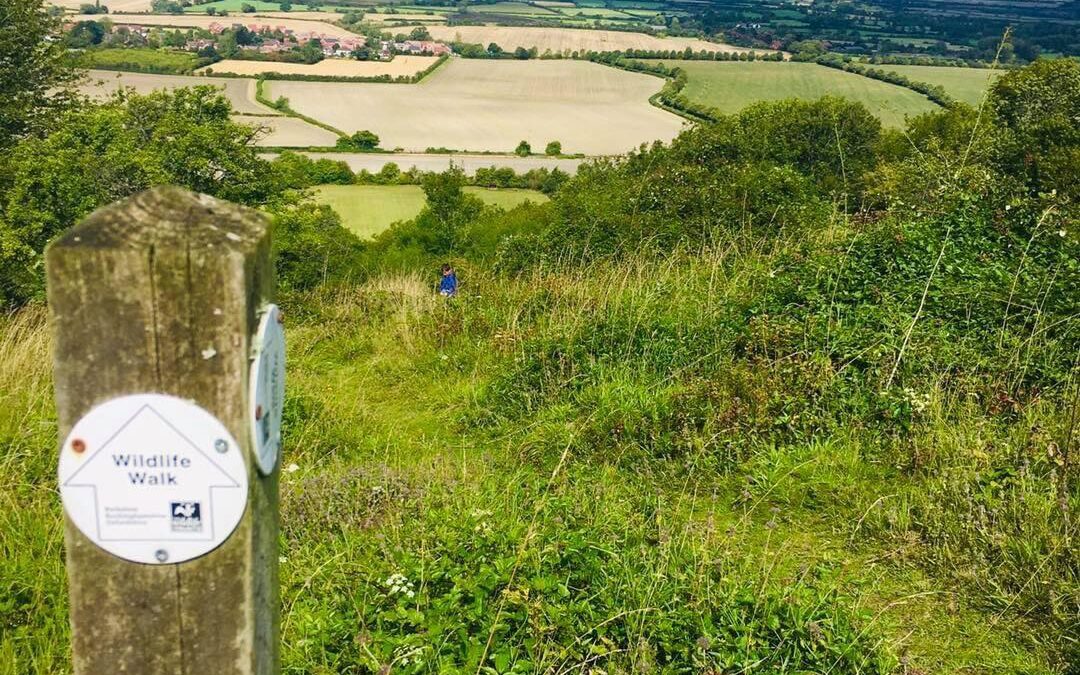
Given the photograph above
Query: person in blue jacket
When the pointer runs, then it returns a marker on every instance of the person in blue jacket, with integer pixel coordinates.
(448, 283)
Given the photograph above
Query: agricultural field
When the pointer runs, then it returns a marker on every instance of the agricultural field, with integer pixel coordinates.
(289, 132)
(140, 59)
(263, 6)
(965, 84)
(401, 66)
(369, 209)
(731, 86)
(240, 92)
(372, 17)
(469, 163)
(570, 39)
(482, 105)
(199, 21)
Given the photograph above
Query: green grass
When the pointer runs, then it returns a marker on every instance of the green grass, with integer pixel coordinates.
(140, 59)
(964, 84)
(731, 86)
(369, 209)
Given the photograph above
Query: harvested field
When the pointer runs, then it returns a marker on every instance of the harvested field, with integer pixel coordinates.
(289, 132)
(372, 161)
(965, 84)
(197, 21)
(241, 93)
(480, 105)
(570, 39)
(369, 209)
(731, 86)
(401, 66)
(387, 18)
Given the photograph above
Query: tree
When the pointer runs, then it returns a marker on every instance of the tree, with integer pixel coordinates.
(98, 153)
(494, 49)
(553, 148)
(35, 78)
(247, 8)
(521, 53)
(285, 6)
(166, 7)
(420, 33)
(1038, 107)
(361, 140)
(523, 149)
(85, 34)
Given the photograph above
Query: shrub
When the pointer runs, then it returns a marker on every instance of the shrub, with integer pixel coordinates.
(553, 148)
(523, 149)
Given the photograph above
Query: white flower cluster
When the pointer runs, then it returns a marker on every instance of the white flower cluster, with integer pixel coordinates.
(400, 584)
(919, 402)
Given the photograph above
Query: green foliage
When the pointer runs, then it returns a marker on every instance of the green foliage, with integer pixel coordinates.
(554, 148)
(1039, 106)
(35, 78)
(142, 60)
(295, 170)
(312, 248)
(523, 149)
(361, 141)
(100, 153)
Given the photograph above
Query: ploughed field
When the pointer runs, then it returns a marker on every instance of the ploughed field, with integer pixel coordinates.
(571, 39)
(400, 66)
(369, 209)
(965, 84)
(482, 105)
(731, 86)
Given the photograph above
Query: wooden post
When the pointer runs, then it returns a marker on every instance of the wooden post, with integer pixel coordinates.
(159, 293)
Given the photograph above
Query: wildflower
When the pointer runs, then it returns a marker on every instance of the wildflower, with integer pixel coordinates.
(1061, 233)
(399, 584)
(292, 468)
(282, 559)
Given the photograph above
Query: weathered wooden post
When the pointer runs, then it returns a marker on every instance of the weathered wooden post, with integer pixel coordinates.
(171, 526)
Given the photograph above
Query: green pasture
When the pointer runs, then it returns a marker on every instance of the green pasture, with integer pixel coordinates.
(731, 86)
(965, 84)
(139, 59)
(369, 209)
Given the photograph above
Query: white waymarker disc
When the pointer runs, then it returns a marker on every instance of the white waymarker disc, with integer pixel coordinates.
(267, 389)
(153, 479)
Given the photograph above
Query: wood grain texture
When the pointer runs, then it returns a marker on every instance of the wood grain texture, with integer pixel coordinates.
(140, 293)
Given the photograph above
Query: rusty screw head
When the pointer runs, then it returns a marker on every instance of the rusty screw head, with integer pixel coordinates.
(258, 412)
(78, 445)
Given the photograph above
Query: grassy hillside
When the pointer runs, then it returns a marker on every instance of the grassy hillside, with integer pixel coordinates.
(965, 84)
(369, 209)
(794, 393)
(732, 86)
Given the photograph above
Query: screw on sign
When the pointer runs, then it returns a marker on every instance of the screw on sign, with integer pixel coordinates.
(267, 388)
(153, 479)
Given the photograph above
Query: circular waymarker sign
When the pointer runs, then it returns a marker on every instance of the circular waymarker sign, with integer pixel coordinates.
(267, 389)
(153, 479)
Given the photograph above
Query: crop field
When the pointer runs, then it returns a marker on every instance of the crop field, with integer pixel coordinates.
(241, 93)
(417, 18)
(374, 161)
(481, 105)
(400, 66)
(369, 209)
(139, 58)
(199, 21)
(965, 84)
(289, 132)
(570, 39)
(731, 86)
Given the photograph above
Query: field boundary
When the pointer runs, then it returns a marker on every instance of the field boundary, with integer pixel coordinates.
(286, 109)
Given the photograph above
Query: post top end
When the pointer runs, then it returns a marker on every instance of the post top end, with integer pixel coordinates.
(168, 216)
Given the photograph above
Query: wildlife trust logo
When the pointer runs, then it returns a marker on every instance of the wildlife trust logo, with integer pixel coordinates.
(186, 516)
